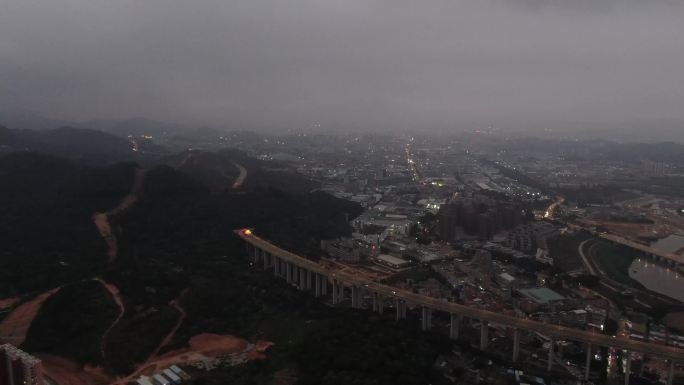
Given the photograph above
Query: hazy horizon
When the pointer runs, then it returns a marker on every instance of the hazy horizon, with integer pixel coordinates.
(377, 65)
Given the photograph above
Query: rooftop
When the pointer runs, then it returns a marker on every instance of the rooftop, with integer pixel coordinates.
(392, 259)
(542, 295)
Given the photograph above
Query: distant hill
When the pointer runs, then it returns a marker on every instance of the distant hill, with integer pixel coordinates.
(134, 126)
(30, 121)
(118, 127)
(219, 170)
(662, 152)
(650, 131)
(80, 144)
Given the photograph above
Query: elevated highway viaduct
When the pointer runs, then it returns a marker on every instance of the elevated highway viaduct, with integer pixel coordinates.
(310, 275)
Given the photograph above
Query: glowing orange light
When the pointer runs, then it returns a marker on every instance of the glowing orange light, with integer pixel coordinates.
(247, 232)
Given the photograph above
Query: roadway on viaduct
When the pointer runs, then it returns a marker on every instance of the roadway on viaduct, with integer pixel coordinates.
(555, 331)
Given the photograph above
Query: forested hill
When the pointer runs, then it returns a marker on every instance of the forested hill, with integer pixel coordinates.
(176, 246)
(80, 144)
(47, 206)
(176, 236)
(46, 219)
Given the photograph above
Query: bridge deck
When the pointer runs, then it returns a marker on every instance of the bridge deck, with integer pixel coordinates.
(556, 331)
(643, 248)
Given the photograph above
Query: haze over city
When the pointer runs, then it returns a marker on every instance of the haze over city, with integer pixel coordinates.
(569, 66)
(365, 192)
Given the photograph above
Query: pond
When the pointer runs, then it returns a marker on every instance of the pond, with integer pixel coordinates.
(657, 278)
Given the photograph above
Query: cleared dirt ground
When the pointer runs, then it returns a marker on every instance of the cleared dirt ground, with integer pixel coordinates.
(14, 327)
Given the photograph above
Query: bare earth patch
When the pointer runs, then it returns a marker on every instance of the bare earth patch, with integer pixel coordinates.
(203, 347)
(67, 372)
(13, 329)
(182, 314)
(8, 302)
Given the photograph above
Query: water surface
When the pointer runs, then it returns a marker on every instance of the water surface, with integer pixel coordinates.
(658, 278)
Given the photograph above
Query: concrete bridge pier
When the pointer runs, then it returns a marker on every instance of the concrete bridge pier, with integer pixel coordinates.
(255, 257)
(516, 344)
(355, 296)
(670, 372)
(549, 364)
(317, 285)
(308, 280)
(378, 303)
(628, 366)
(642, 367)
(484, 334)
(400, 306)
(335, 288)
(324, 285)
(288, 272)
(359, 297)
(302, 278)
(587, 364)
(454, 326)
(340, 292)
(427, 319)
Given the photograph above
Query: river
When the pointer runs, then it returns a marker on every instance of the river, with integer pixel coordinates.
(672, 243)
(658, 278)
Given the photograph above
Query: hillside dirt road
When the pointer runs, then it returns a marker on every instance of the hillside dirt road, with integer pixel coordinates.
(116, 296)
(101, 220)
(241, 178)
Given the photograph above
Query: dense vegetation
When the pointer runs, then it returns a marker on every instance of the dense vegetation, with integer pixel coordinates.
(565, 250)
(136, 337)
(315, 343)
(218, 170)
(178, 239)
(615, 262)
(46, 219)
(180, 219)
(72, 321)
(178, 236)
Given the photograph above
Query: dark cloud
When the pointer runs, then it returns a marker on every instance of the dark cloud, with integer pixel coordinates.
(354, 63)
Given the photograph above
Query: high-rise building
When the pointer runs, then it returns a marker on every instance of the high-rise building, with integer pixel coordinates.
(448, 219)
(19, 368)
(531, 236)
(481, 217)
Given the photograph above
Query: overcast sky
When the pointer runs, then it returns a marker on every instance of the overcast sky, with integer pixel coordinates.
(345, 63)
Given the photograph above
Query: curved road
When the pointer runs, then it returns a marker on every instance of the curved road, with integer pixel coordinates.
(557, 331)
(643, 296)
(587, 264)
(241, 178)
